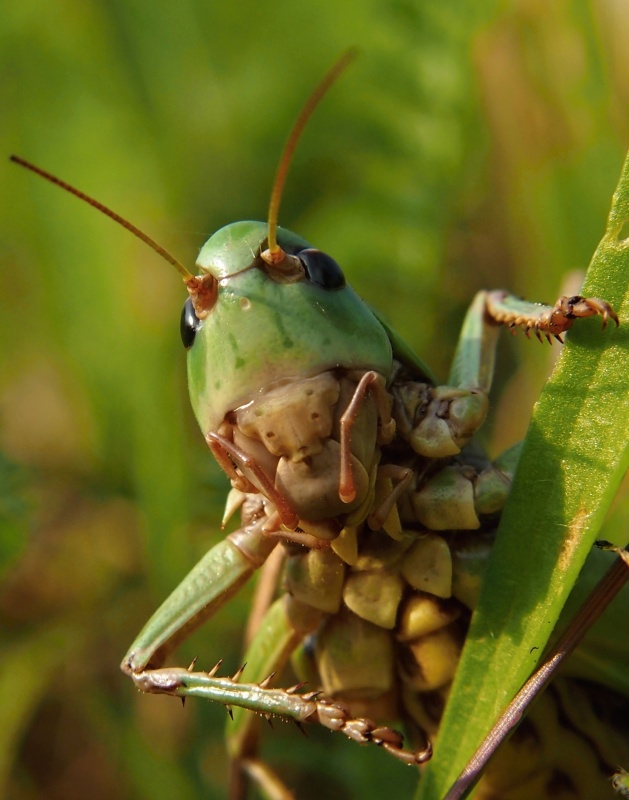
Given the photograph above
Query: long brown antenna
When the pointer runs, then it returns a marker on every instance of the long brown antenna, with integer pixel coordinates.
(275, 252)
(187, 276)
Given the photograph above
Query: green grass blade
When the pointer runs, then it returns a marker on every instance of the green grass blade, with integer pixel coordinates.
(575, 455)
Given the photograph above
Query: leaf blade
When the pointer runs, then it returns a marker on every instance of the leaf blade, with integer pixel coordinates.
(574, 457)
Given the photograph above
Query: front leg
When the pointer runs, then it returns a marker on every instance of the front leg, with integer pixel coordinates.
(438, 421)
(473, 363)
(219, 575)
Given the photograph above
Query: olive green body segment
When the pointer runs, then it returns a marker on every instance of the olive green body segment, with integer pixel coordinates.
(261, 331)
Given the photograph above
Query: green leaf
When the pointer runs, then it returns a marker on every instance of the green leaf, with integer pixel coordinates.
(575, 454)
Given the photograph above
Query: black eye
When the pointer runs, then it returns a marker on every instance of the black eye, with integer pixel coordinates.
(322, 269)
(189, 324)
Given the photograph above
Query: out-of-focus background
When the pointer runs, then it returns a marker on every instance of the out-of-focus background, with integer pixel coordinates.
(471, 145)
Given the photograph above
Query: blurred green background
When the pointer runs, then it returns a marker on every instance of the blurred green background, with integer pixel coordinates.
(471, 145)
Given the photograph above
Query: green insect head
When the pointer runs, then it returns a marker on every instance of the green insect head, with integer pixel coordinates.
(249, 323)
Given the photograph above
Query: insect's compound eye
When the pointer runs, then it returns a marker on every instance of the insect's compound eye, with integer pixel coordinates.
(189, 324)
(322, 269)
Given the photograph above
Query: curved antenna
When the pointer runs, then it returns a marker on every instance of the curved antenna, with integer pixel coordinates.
(187, 276)
(275, 252)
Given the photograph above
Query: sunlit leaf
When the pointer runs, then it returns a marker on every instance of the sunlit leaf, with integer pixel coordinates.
(575, 455)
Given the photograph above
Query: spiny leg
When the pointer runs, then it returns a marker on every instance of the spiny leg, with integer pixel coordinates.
(545, 320)
(285, 625)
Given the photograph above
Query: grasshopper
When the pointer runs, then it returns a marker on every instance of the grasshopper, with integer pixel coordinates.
(359, 475)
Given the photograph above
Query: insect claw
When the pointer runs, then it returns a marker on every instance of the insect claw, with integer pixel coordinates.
(264, 684)
(421, 756)
(235, 677)
(215, 668)
(425, 754)
(558, 337)
(603, 544)
(301, 728)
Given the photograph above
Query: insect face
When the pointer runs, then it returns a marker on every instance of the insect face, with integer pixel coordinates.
(264, 328)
